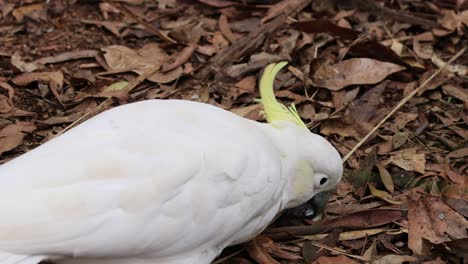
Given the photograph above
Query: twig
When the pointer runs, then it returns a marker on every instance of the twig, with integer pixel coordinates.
(147, 25)
(245, 44)
(401, 103)
(337, 250)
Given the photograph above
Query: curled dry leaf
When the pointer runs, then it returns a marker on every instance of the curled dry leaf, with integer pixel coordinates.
(55, 80)
(410, 159)
(257, 250)
(123, 59)
(10, 90)
(21, 65)
(382, 194)
(386, 177)
(12, 135)
(354, 71)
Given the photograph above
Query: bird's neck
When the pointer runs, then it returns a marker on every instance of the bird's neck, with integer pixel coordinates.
(298, 175)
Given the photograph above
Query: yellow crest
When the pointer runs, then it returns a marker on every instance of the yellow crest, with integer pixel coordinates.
(275, 111)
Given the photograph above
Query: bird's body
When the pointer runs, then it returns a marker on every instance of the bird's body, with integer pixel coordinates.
(168, 182)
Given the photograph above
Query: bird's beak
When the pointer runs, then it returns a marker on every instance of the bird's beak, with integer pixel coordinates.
(312, 209)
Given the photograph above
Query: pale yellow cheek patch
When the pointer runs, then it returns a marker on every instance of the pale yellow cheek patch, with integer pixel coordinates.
(303, 180)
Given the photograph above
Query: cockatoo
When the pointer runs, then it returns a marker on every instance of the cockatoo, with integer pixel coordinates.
(160, 182)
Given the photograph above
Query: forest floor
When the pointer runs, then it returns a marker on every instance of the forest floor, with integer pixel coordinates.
(389, 77)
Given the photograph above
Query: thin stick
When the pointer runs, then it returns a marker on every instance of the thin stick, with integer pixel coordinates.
(401, 103)
(336, 250)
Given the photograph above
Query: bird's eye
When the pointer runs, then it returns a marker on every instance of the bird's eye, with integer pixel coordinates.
(323, 180)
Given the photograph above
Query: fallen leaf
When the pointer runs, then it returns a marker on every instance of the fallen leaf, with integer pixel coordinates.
(399, 139)
(123, 59)
(219, 3)
(252, 112)
(394, 259)
(282, 7)
(431, 219)
(354, 71)
(55, 80)
(21, 65)
(22, 11)
(10, 90)
(351, 235)
(435, 261)
(456, 196)
(325, 26)
(410, 159)
(334, 260)
(116, 86)
(364, 219)
(385, 177)
(456, 91)
(179, 58)
(225, 29)
(258, 252)
(382, 194)
(66, 56)
(5, 104)
(375, 50)
(401, 120)
(12, 135)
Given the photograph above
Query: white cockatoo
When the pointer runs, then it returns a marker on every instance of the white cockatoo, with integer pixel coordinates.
(160, 182)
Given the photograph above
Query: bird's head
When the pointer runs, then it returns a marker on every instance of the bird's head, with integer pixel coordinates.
(314, 164)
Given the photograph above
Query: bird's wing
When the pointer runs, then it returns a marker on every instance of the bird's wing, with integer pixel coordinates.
(151, 176)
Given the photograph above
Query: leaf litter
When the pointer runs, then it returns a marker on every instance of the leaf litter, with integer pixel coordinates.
(351, 63)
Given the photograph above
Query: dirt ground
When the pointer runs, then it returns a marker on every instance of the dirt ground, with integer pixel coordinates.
(384, 81)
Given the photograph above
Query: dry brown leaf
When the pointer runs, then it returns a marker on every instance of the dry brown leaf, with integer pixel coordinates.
(401, 120)
(382, 194)
(394, 259)
(354, 71)
(282, 7)
(454, 21)
(225, 29)
(456, 196)
(180, 58)
(435, 261)
(257, 250)
(219, 3)
(55, 80)
(456, 91)
(386, 177)
(123, 59)
(5, 104)
(334, 260)
(10, 90)
(431, 219)
(410, 159)
(246, 85)
(12, 135)
(17, 61)
(252, 112)
(22, 11)
(459, 153)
